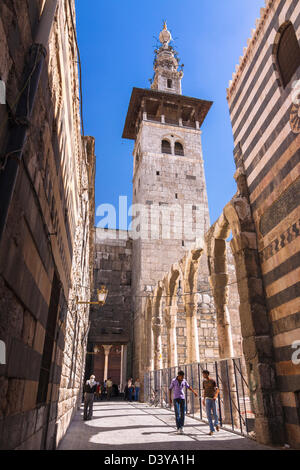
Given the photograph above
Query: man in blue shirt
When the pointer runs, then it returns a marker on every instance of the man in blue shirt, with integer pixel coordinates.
(177, 385)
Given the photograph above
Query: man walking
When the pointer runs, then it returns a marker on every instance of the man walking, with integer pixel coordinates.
(177, 385)
(211, 393)
(137, 386)
(89, 392)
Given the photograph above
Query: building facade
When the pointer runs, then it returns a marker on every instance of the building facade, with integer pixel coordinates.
(170, 219)
(263, 99)
(46, 250)
(110, 335)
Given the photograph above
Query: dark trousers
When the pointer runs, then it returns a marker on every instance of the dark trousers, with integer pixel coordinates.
(88, 405)
(179, 406)
(130, 392)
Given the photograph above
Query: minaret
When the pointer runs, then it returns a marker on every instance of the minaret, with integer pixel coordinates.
(168, 179)
(167, 76)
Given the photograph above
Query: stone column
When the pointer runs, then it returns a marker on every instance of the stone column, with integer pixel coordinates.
(219, 284)
(124, 371)
(171, 316)
(192, 330)
(121, 368)
(107, 349)
(151, 351)
(149, 345)
(157, 344)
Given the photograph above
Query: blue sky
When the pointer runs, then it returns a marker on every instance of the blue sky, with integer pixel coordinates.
(116, 40)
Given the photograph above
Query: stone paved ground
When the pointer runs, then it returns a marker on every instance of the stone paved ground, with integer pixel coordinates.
(122, 426)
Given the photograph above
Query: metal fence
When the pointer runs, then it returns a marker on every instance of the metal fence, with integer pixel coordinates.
(233, 403)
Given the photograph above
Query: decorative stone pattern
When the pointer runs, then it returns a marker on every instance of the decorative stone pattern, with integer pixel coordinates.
(46, 249)
(267, 148)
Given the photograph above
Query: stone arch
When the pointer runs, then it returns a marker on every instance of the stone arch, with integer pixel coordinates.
(255, 325)
(191, 266)
(171, 283)
(218, 278)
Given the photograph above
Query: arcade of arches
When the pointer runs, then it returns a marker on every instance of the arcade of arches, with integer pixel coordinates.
(168, 308)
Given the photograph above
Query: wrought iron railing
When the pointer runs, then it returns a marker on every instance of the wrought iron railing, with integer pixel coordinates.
(233, 403)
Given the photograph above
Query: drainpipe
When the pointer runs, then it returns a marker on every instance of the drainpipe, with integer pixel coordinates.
(13, 152)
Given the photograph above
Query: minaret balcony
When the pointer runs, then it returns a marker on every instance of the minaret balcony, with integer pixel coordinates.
(167, 109)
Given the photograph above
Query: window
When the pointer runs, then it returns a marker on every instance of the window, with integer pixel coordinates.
(288, 54)
(169, 83)
(157, 173)
(179, 149)
(49, 342)
(166, 147)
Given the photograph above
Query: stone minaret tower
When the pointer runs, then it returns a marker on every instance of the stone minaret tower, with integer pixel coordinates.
(168, 179)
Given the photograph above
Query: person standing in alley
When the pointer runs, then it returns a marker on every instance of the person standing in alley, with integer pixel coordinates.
(109, 388)
(130, 388)
(211, 393)
(177, 385)
(137, 386)
(90, 389)
(126, 391)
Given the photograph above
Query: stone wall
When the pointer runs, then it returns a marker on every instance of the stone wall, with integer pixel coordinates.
(265, 122)
(112, 323)
(164, 183)
(45, 250)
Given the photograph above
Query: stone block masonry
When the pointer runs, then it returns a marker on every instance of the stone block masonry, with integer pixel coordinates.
(265, 122)
(111, 325)
(47, 247)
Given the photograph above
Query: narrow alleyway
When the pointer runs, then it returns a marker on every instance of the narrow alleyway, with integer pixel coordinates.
(124, 426)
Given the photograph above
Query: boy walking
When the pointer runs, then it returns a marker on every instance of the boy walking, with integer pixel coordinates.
(211, 393)
(109, 388)
(177, 385)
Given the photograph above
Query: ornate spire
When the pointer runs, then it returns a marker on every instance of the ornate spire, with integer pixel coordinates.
(167, 76)
(165, 36)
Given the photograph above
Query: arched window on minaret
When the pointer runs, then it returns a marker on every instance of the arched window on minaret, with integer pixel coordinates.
(179, 149)
(166, 147)
(170, 83)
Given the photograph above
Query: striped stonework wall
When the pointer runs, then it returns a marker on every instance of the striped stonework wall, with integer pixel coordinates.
(267, 145)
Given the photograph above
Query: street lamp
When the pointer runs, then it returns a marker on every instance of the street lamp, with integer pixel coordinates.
(101, 295)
